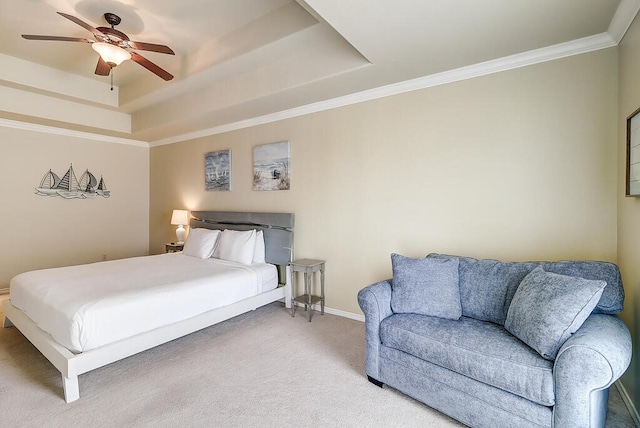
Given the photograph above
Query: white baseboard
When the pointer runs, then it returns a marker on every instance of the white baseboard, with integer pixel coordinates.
(344, 314)
(627, 401)
(338, 312)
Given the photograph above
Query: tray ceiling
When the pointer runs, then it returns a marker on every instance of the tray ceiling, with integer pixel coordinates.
(238, 60)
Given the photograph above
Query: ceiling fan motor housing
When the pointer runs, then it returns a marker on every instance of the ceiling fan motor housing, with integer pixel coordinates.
(112, 19)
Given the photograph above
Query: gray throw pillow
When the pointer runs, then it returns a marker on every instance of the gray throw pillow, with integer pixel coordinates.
(425, 286)
(548, 308)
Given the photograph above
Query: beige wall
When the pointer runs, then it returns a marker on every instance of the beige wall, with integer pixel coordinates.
(629, 208)
(516, 165)
(39, 232)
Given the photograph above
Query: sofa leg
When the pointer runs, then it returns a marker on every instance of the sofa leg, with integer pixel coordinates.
(375, 382)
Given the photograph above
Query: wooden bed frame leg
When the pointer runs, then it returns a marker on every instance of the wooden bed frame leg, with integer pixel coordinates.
(7, 323)
(71, 388)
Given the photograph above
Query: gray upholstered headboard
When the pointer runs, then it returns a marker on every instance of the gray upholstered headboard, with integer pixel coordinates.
(277, 227)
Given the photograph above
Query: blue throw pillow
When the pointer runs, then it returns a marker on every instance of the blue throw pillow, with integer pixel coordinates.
(426, 287)
(548, 308)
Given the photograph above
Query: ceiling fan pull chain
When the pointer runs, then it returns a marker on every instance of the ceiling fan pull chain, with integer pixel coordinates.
(111, 79)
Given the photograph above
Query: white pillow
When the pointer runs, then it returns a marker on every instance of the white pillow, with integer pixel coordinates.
(236, 246)
(201, 243)
(259, 252)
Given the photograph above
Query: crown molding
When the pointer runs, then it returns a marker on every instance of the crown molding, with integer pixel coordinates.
(15, 124)
(562, 50)
(623, 18)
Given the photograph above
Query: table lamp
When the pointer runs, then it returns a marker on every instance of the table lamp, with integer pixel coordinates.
(180, 217)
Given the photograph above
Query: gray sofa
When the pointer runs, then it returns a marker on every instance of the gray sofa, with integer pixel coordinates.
(496, 344)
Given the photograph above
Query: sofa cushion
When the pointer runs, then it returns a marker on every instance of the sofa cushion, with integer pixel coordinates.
(425, 286)
(480, 350)
(487, 286)
(547, 308)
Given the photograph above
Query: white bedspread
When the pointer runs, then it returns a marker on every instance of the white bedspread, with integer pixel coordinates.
(87, 306)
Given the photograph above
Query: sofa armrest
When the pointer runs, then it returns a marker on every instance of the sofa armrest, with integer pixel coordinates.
(588, 363)
(375, 302)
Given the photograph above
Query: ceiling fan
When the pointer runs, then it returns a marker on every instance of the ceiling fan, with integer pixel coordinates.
(113, 46)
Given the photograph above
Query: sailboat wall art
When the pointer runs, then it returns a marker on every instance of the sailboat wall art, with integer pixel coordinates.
(69, 187)
(217, 170)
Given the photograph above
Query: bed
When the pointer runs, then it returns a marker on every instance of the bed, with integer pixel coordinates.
(84, 317)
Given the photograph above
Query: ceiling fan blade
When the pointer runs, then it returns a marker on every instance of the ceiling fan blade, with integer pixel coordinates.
(151, 47)
(56, 38)
(83, 24)
(150, 66)
(102, 69)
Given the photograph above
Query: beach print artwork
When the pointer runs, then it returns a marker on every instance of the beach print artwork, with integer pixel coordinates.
(69, 187)
(217, 170)
(272, 166)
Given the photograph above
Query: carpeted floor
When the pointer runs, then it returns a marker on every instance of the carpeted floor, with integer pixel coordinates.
(263, 368)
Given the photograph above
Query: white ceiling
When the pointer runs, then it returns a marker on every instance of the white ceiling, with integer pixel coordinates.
(238, 61)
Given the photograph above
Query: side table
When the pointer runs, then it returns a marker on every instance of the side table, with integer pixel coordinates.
(308, 267)
(172, 247)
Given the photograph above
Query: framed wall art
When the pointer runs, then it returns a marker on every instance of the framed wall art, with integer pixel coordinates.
(217, 170)
(272, 166)
(633, 154)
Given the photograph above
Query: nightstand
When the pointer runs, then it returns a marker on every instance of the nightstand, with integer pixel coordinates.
(308, 267)
(172, 247)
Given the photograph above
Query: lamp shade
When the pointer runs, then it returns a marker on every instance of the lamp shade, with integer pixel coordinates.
(180, 217)
(111, 54)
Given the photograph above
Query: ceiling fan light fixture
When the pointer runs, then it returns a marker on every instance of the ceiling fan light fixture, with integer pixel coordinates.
(111, 54)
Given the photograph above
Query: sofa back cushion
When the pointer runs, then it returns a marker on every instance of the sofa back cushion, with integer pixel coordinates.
(487, 286)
